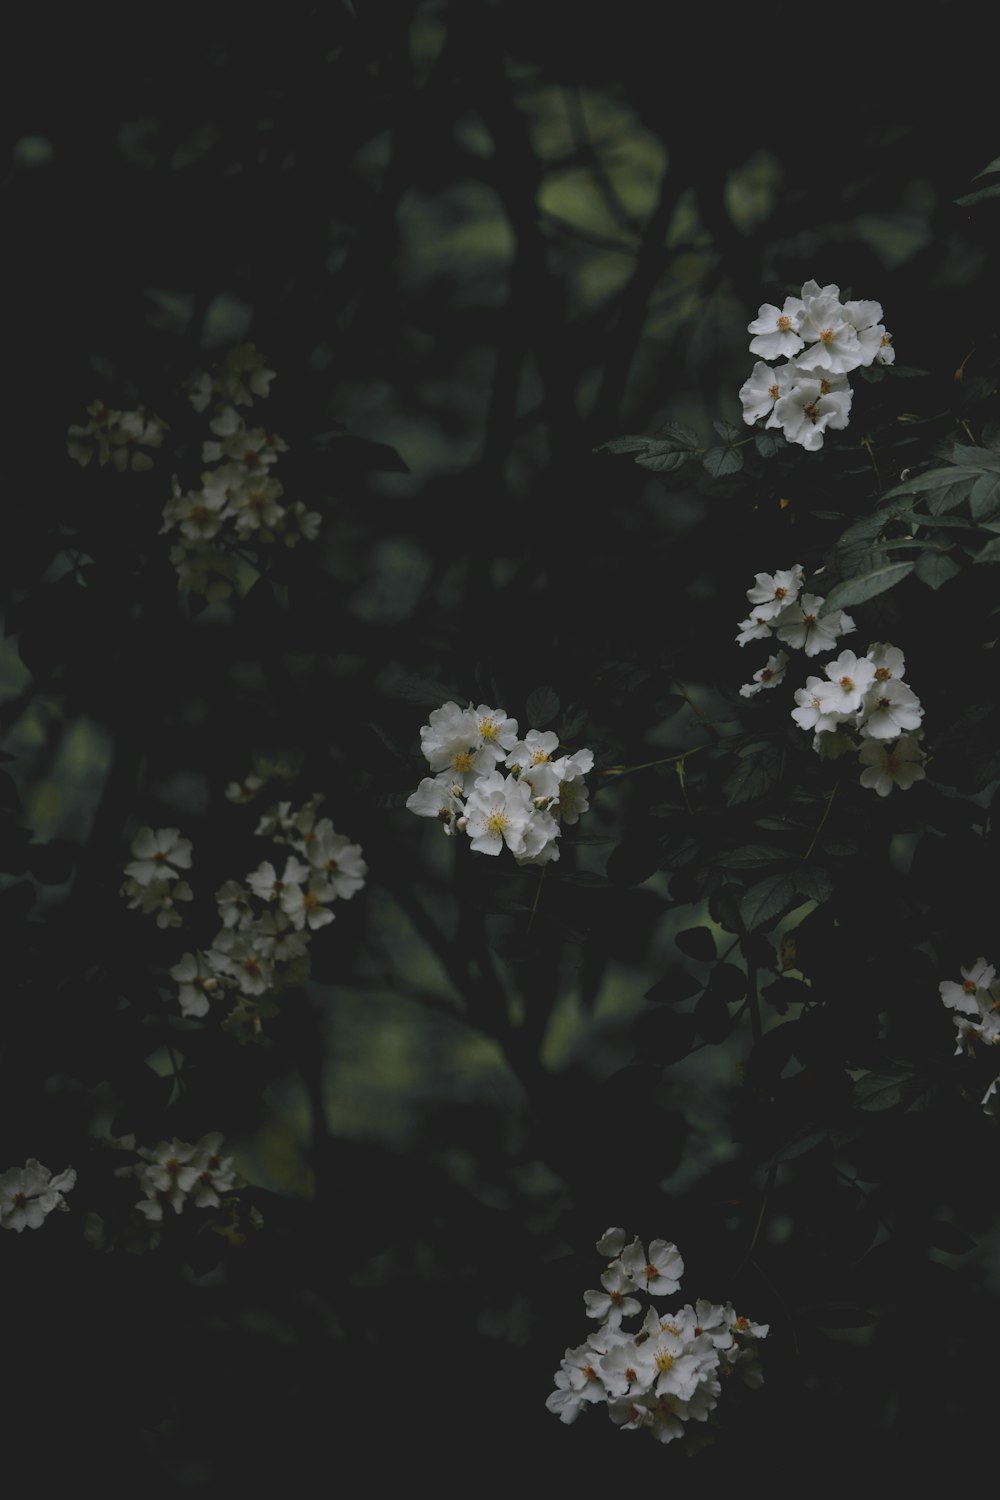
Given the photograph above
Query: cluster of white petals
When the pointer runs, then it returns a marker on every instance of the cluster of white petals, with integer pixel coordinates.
(821, 339)
(175, 1172)
(240, 499)
(117, 438)
(856, 696)
(153, 882)
(976, 1003)
(29, 1193)
(267, 919)
(523, 805)
(667, 1371)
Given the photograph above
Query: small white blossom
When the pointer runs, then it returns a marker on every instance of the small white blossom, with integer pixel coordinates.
(29, 1193)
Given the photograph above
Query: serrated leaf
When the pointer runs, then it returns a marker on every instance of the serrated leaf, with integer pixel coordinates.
(697, 943)
(768, 444)
(726, 431)
(879, 1091)
(857, 590)
(984, 497)
(541, 707)
(757, 769)
(720, 461)
(813, 882)
(661, 453)
(935, 568)
(766, 899)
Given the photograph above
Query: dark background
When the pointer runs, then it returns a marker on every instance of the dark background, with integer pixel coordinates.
(475, 241)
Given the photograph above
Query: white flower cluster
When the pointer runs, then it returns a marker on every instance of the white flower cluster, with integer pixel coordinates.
(821, 340)
(670, 1369)
(523, 809)
(866, 694)
(267, 920)
(175, 1171)
(239, 500)
(976, 1002)
(29, 1193)
(117, 437)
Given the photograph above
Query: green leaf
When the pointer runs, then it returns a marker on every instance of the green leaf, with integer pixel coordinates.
(969, 200)
(993, 166)
(989, 553)
(674, 987)
(726, 431)
(768, 444)
(697, 943)
(758, 768)
(661, 453)
(947, 499)
(721, 461)
(933, 479)
(935, 568)
(766, 899)
(541, 707)
(878, 1091)
(813, 882)
(857, 590)
(984, 497)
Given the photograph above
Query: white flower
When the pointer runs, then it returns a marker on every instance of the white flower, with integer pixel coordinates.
(498, 812)
(805, 412)
(768, 677)
(849, 678)
(438, 797)
(338, 859)
(888, 765)
(175, 1170)
(773, 592)
(965, 997)
(763, 388)
(811, 712)
(197, 979)
(161, 897)
(776, 329)
(802, 627)
(661, 1273)
(29, 1193)
(756, 628)
(536, 749)
(159, 855)
(307, 906)
(611, 1243)
(889, 709)
(495, 728)
(451, 741)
